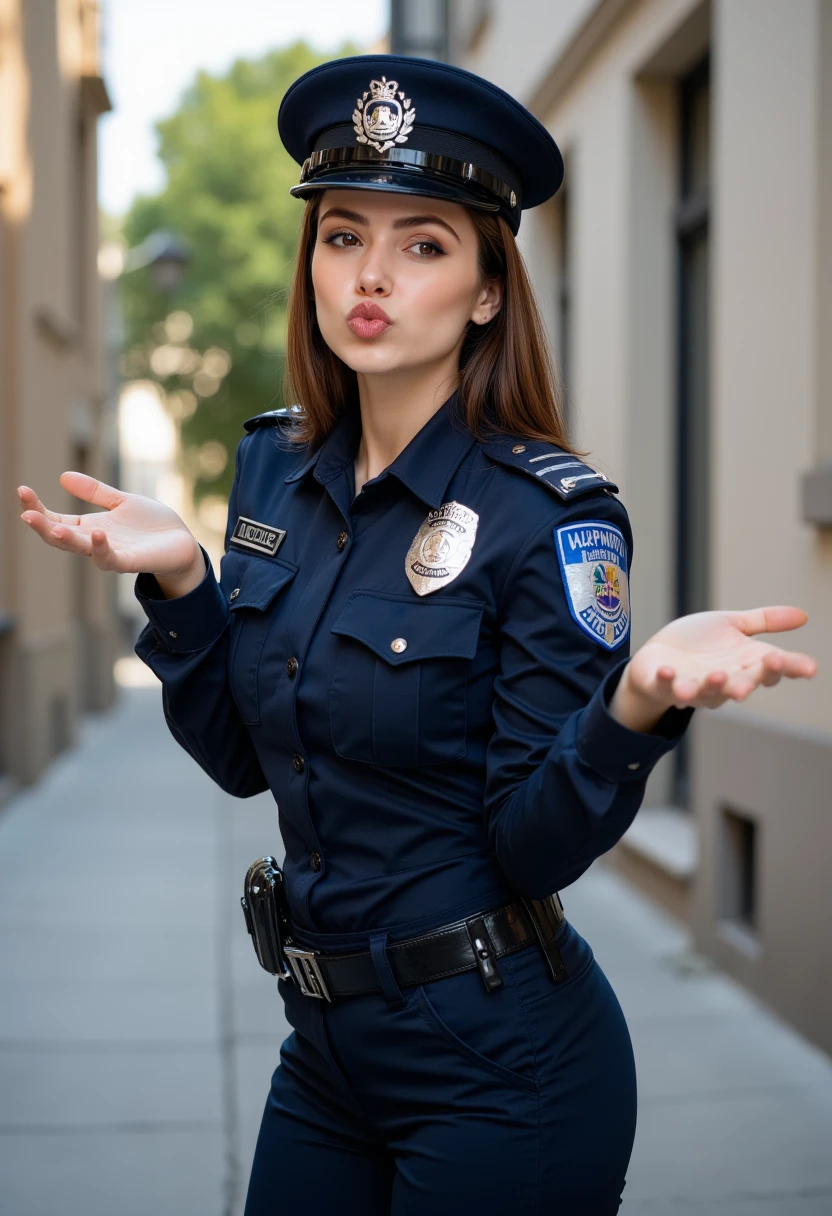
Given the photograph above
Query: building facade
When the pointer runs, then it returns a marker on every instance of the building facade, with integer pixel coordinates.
(685, 273)
(58, 631)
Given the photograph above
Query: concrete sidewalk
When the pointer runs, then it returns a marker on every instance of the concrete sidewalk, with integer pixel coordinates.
(138, 1035)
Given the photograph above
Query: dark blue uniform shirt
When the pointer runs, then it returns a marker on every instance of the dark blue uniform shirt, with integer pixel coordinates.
(423, 782)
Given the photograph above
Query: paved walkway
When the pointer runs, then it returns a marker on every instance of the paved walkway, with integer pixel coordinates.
(138, 1034)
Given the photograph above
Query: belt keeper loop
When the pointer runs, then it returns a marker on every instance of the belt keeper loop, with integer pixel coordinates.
(484, 954)
(381, 962)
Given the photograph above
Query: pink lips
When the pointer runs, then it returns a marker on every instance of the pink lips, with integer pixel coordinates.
(368, 320)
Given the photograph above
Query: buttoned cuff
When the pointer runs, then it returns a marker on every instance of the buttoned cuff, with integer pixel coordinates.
(188, 622)
(615, 751)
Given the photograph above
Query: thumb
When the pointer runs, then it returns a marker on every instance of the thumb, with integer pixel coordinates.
(80, 485)
(773, 619)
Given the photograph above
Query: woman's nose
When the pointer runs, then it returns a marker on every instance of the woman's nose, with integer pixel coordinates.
(373, 275)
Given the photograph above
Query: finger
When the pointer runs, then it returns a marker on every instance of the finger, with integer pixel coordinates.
(741, 684)
(101, 553)
(711, 690)
(797, 665)
(773, 664)
(38, 522)
(29, 500)
(80, 485)
(773, 619)
(72, 539)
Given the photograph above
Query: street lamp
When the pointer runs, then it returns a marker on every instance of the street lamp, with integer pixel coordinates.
(167, 256)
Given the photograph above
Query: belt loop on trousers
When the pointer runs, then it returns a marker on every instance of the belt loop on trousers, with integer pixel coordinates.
(378, 953)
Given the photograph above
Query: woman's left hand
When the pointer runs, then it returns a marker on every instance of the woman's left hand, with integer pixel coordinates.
(705, 659)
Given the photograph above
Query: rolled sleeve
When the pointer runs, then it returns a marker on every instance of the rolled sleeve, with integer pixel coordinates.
(614, 750)
(188, 622)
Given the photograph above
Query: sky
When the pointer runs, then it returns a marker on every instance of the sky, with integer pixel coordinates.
(152, 49)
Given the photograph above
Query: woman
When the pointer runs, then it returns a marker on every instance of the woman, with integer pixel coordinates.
(420, 643)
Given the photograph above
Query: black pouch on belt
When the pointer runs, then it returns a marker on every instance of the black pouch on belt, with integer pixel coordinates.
(267, 918)
(547, 916)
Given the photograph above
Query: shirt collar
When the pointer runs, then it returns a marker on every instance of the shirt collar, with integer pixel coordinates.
(425, 466)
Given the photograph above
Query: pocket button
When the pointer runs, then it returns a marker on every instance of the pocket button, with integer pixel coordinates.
(398, 645)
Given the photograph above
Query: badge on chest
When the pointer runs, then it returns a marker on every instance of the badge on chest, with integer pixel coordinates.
(441, 548)
(262, 538)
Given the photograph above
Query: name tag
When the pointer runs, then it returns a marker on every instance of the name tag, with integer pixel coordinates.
(262, 538)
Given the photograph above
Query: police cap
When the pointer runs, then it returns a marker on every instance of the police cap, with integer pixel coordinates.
(416, 126)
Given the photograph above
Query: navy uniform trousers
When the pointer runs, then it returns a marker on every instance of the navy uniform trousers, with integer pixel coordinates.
(522, 1100)
(421, 675)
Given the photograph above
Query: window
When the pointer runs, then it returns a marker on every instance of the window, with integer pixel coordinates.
(692, 406)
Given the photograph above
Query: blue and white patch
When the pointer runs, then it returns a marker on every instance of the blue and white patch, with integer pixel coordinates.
(593, 561)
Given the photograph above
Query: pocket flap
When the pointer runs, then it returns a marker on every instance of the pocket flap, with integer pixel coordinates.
(255, 579)
(430, 629)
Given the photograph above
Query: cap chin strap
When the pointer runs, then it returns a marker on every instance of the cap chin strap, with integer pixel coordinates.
(460, 172)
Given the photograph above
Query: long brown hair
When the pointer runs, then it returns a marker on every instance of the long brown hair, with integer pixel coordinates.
(507, 381)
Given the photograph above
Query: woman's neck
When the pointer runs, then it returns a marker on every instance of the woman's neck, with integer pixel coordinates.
(394, 408)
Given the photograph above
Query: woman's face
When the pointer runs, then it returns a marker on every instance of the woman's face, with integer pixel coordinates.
(396, 279)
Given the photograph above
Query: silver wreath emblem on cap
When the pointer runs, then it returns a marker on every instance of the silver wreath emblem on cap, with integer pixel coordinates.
(383, 117)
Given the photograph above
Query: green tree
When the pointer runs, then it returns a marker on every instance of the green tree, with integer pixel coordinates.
(216, 345)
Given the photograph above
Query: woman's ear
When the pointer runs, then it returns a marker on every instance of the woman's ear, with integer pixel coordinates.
(489, 301)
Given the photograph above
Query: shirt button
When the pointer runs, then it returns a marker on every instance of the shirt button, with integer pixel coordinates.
(315, 861)
(398, 644)
(343, 537)
(291, 667)
(635, 764)
(172, 633)
(518, 448)
(232, 597)
(298, 763)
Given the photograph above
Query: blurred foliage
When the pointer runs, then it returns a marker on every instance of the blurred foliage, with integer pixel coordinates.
(227, 197)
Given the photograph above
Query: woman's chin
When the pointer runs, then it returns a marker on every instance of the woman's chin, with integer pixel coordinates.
(367, 360)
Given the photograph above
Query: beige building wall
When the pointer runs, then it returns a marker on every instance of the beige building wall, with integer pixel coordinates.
(58, 642)
(746, 862)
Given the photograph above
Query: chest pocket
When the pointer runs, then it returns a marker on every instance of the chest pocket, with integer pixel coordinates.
(251, 585)
(398, 695)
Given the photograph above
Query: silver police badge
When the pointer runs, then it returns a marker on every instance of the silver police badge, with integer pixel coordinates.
(383, 117)
(441, 548)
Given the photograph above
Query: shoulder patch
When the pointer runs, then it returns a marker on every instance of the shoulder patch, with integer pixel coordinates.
(565, 475)
(593, 561)
(273, 417)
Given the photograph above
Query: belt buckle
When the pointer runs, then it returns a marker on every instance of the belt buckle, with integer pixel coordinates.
(307, 973)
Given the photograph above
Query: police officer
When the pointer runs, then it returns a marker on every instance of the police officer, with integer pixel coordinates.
(420, 643)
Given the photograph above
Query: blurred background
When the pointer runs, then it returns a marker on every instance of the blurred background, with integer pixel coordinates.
(684, 271)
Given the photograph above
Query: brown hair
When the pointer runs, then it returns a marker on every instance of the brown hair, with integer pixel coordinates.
(507, 381)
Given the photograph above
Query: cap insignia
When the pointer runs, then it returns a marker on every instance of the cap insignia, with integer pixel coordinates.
(383, 117)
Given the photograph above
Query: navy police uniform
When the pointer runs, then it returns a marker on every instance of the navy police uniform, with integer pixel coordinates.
(421, 674)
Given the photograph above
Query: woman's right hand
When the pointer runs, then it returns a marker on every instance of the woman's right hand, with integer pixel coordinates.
(133, 535)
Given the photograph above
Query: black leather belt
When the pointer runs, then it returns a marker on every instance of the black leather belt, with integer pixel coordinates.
(478, 941)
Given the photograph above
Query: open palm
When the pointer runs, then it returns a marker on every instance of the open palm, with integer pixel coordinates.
(707, 658)
(133, 533)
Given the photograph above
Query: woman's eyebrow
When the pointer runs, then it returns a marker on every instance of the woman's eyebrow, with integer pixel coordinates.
(413, 221)
(343, 214)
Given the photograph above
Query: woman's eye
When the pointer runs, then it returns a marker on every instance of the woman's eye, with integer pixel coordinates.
(344, 240)
(426, 249)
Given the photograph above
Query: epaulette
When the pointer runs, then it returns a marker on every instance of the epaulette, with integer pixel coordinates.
(563, 473)
(273, 417)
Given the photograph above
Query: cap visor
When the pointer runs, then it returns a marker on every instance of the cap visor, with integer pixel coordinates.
(395, 181)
